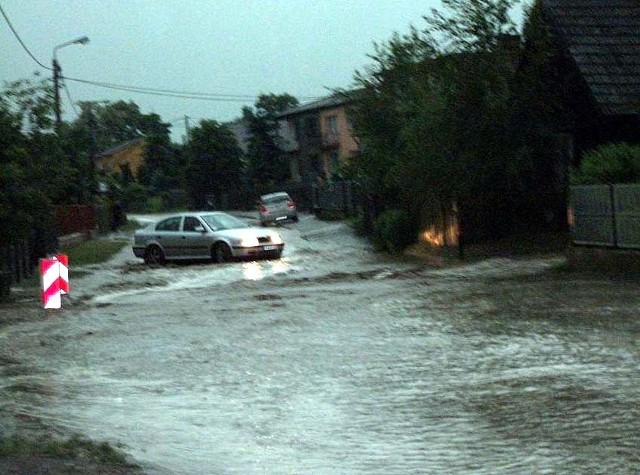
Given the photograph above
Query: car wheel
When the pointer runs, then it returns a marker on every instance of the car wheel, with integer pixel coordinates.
(294, 219)
(222, 252)
(154, 255)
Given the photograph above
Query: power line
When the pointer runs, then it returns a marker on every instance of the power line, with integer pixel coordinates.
(20, 40)
(204, 96)
(73, 106)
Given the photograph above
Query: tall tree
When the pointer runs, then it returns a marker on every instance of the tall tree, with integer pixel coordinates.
(32, 171)
(214, 162)
(118, 122)
(102, 125)
(431, 110)
(266, 164)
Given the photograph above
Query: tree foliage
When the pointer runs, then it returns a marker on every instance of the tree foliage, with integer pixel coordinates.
(266, 164)
(113, 123)
(214, 164)
(431, 111)
(30, 163)
(102, 125)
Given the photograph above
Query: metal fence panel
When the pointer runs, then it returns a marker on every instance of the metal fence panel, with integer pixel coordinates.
(338, 197)
(627, 215)
(592, 215)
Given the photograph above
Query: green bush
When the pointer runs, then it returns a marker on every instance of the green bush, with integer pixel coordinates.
(155, 204)
(393, 231)
(135, 197)
(358, 225)
(611, 163)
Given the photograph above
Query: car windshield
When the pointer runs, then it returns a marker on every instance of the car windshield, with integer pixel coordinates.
(220, 221)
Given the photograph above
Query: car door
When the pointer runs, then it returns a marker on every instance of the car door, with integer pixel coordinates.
(168, 235)
(195, 239)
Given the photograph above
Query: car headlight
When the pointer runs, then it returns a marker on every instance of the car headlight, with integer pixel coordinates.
(276, 238)
(249, 241)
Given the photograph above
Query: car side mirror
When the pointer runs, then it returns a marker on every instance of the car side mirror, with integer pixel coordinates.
(199, 229)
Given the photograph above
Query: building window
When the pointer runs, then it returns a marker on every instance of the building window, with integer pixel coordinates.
(331, 134)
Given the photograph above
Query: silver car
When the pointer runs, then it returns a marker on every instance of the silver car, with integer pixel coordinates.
(205, 235)
(276, 208)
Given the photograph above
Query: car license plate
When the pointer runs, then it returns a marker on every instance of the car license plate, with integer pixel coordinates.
(281, 218)
(270, 248)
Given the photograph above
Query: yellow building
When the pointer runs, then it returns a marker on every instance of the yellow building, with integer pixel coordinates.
(117, 159)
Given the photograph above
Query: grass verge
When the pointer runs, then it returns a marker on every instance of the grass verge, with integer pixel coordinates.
(94, 251)
(72, 448)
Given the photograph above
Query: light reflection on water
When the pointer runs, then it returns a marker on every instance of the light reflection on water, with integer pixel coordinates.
(258, 270)
(252, 271)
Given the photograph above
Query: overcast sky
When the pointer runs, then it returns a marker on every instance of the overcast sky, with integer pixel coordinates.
(233, 47)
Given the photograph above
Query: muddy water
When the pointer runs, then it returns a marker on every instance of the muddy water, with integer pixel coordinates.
(339, 363)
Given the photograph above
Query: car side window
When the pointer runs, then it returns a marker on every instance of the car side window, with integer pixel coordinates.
(169, 224)
(190, 224)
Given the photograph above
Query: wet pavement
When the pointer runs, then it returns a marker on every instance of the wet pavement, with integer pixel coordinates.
(336, 360)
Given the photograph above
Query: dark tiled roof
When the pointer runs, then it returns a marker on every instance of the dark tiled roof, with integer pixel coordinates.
(603, 37)
(328, 102)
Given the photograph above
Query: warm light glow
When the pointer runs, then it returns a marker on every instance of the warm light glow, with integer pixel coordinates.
(433, 237)
(571, 217)
(437, 236)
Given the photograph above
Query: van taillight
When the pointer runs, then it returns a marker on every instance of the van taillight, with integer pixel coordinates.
(291, 205)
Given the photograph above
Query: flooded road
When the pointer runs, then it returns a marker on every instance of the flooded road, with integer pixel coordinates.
(334, 360)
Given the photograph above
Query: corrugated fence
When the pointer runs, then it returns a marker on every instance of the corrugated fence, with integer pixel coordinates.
(605, 215)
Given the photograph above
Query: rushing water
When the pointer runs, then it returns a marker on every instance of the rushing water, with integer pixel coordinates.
(503, 367)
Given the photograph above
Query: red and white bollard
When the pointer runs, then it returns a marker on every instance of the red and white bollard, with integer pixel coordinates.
(64, 272)
(55, 280)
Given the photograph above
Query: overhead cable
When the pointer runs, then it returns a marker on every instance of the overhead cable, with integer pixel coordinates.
(205, 96)
(20, 40)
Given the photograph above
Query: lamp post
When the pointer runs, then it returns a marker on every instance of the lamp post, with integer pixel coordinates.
(83, 40)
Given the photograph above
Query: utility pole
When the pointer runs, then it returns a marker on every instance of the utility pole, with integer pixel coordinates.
(186, 127)
(83, 40)
(56, 89)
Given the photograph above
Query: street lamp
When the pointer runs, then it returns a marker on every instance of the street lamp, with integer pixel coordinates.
(83, 40)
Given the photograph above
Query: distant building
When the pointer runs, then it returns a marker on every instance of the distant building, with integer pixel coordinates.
(240, 129)
(319, 138)
(126, 155)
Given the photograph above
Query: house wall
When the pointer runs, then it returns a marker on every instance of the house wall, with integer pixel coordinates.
(322, 142)
(112, 163)
(339, 140)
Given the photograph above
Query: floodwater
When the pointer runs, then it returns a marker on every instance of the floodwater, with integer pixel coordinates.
(334, 360)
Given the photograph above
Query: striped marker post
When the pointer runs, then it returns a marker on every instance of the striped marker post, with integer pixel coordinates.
(55, 280)
(51, 294)
(64, 272)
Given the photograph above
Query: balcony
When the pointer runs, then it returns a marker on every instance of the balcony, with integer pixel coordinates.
(331, 140)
